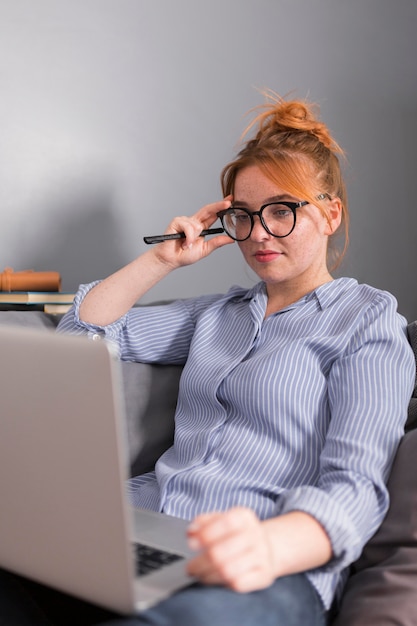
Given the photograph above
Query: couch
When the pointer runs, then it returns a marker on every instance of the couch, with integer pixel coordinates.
(382, 587)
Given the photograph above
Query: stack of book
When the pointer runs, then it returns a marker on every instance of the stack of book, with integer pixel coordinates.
(34, 290)
(48, 301)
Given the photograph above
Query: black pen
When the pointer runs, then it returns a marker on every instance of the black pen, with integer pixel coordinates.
(159, 238)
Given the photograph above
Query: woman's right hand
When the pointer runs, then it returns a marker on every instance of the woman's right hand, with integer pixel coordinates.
(180, 252)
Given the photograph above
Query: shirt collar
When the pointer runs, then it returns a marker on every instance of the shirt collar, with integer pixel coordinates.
(324, 295)
(329, 292)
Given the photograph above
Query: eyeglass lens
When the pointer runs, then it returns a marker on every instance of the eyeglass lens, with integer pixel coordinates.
(277, 219)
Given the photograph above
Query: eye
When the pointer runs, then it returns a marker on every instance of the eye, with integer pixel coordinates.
(240, 217)
(278, 212)
(282, 212)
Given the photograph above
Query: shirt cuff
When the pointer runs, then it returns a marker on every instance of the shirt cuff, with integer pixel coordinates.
(110, 332)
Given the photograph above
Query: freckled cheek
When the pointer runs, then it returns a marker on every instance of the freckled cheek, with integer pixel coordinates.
(307, 249)
(304, 237)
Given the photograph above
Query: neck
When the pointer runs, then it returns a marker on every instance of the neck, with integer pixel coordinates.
(281, 296)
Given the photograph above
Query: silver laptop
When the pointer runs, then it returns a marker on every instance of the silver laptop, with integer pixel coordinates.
(64, 518)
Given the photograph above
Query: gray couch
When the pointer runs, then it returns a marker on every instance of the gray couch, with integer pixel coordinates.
(382, 588)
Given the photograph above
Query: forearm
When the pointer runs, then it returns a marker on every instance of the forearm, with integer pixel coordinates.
(115, 295)
(298, 542)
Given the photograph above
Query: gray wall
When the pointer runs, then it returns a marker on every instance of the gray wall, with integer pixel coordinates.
(116, 115)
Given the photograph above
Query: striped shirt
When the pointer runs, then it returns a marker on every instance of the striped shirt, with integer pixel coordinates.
(302, 410)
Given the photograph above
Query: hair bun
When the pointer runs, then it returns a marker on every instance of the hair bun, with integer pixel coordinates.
(279, 115)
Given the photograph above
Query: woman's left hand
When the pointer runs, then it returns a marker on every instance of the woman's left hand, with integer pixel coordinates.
(234, 550)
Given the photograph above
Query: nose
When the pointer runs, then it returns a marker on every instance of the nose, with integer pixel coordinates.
(258, 231)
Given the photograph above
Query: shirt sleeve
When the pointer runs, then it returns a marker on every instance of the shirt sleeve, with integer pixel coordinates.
(369, 388)
(148, 334)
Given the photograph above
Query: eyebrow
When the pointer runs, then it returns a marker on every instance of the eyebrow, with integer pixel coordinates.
(278, 198)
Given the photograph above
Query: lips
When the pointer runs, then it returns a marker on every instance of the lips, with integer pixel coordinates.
(266, 256)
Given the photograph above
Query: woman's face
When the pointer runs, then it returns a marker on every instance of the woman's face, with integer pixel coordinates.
(296, 262)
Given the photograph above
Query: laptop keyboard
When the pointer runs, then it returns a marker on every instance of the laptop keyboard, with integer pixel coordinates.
(150, 559)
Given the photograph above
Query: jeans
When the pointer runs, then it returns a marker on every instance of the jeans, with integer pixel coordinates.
(289, 601)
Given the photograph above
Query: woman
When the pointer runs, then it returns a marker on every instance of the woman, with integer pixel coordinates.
(294, 392)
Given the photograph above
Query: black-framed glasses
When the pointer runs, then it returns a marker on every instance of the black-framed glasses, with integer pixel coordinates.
(277, 218)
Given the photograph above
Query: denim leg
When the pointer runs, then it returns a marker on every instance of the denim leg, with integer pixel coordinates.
(290, 601)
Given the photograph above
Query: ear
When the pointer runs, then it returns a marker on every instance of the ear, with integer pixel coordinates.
(334, 215)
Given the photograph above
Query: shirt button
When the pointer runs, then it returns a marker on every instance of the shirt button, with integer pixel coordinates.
(96, 337)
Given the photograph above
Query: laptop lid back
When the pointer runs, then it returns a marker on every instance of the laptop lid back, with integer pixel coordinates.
(63, 518)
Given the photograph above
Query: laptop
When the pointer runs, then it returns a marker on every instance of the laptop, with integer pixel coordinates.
(65, 520)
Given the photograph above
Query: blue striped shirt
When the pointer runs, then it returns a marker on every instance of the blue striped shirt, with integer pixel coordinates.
(302, 410)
